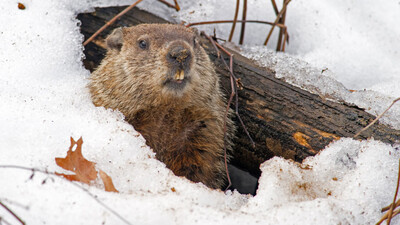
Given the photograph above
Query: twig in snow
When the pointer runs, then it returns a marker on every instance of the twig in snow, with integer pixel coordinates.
(234, 92)
(244, 23)
(12, 213)
(176, 6)
(397, 204)
(285, 39)
(377, 118)
(282, 32)
(4, 221)
(278, 17)
(237, 81)
(392, 212)
(275, 7)
(73, 183)
(226, 113)
(234, 20)
(281, 26)
(394, 199)
(111, 22)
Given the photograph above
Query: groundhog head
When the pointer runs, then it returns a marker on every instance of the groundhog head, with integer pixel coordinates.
(162, 57)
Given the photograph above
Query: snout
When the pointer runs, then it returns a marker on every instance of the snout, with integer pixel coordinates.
(179, 57)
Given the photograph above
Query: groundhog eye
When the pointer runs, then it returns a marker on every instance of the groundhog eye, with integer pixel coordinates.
(143, 44)
(194, 41)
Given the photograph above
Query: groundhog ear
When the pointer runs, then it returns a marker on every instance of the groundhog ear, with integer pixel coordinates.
(194, 30)
(115, 39)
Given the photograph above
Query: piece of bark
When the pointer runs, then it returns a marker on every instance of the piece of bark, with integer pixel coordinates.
(282, 119)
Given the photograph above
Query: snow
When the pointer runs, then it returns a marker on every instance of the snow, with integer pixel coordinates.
(45, 101)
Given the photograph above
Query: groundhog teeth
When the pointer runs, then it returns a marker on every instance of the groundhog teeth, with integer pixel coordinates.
(179, 75)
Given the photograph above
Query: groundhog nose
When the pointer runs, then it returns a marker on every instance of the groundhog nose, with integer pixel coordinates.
(179, 55)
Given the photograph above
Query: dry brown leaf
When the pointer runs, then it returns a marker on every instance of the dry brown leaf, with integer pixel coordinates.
(84, 169)
(107, 181)
(74, 161)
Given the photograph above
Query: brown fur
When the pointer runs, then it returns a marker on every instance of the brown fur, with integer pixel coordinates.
(182, 122)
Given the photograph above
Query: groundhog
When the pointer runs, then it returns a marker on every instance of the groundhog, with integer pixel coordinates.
(162, 80)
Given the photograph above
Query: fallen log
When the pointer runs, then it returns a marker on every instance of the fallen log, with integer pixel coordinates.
(283, 120)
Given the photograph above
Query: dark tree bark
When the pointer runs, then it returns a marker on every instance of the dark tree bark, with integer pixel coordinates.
(282, 119)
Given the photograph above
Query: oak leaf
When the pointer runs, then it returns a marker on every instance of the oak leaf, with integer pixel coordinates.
(108, 184)
(84, 169)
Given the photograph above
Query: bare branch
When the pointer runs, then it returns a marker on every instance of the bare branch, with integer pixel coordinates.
(73, 183)
(275, 7)
(2, 220)
(282, 32)
(176, 6)
(278, 17)
(230, 69)
(392, 212)
(12, 213)
(244, 23)
(377, 118)
(234, 20)
(111, 22)
(395, 197)
(231, 21)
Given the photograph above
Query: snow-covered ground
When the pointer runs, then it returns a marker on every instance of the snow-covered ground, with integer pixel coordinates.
(44, 101)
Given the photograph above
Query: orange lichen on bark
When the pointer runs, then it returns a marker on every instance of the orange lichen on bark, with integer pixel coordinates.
(302, 139)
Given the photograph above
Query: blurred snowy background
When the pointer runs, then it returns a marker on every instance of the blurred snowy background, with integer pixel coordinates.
(44, 101)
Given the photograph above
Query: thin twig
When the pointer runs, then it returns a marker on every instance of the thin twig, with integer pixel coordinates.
(276, 21)
(237, 101)
(234, 20)
(244, 23)
(392, 212)
(176, 6)
(389, 206)
(73, 183)
(395, 197)
(226, 115)
(215, 44)
(233, 92)
(110, 22)
(281, 31)
(397, 211)
(377, 118)
(2, 220)
(275, 7)
(384, 217)
(12, 213)
(276, 13)
(225, 129)
(286, 39)
(231, 21)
